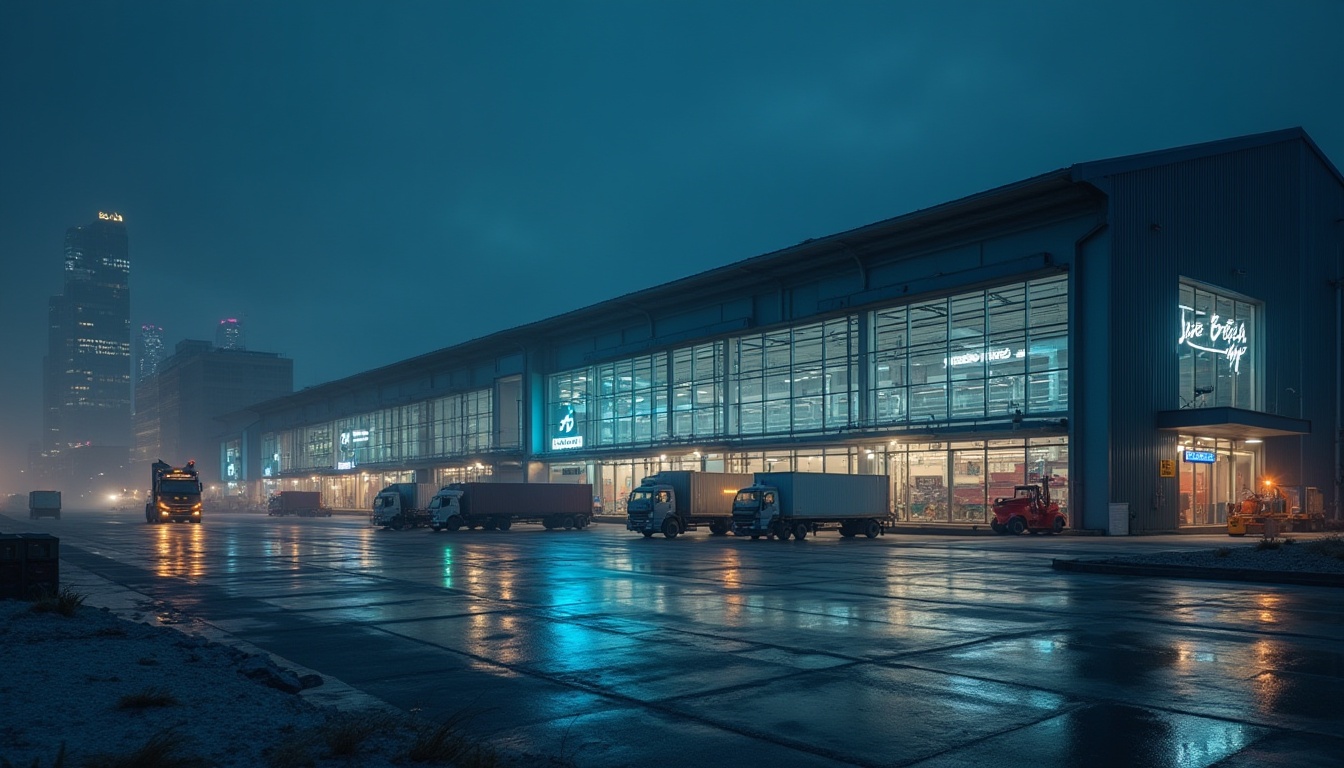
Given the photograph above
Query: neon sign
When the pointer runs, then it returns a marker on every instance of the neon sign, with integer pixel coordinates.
(109, 216)
(1226, 337)
(984, 355)
(1201, 457)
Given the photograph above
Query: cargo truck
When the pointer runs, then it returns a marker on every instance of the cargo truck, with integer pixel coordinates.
(674, 502)
(301, 503)
(795, 504)
(44, 504)
(497, 506)
(174, 494)
(402, 505)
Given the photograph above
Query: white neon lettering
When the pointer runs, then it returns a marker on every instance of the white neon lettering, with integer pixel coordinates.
(1235, 340)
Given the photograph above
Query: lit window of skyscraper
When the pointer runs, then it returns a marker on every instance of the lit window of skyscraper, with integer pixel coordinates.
(229, 334)
(151, 351)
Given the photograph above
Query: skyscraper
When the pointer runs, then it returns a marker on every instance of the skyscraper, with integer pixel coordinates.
(229, 334)
(87, 370)
(150, 352)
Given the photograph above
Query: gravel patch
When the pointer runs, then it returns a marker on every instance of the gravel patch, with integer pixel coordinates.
(1317, 556)
(101, 687)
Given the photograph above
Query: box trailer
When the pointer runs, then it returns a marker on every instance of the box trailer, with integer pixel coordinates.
(44, 504)
(301, 503)
(677, 501)
(497, 506)
(795, 504)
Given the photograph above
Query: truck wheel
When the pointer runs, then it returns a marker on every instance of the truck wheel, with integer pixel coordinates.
(488, 524)
(453, 523)
(647, 534)
(1058, 526)
(568, 523)
(548, 523)
(718, 527)
(397, 525)
(782, 531)
(1017, 526)
(800, 531)
(583, 521)
(997, 527)
(872, 528)
(504, 523)
(435, 527)
(670, 528)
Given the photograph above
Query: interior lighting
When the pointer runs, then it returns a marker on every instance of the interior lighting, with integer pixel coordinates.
(1253, 440)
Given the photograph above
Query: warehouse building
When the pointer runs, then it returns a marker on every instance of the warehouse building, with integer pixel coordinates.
(1158, 335)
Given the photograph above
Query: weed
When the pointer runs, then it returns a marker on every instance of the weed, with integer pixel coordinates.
(158, 752)
(1267, 543)
(442, 744)
(345, 734)
(1328, 546)
(149, 697)
(66, 602)
(1222, 552)
(58, 762)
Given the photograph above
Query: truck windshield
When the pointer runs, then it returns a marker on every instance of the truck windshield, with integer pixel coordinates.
(178, 486)
(436, 502)
(641, 495)
(379, 502)
(747, 498)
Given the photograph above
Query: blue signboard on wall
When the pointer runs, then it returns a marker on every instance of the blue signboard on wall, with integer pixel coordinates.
(565, 429)
(1201, 457)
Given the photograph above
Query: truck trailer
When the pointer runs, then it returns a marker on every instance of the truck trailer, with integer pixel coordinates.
(44, 504)
(301, 503)
(675, 502)
(795, 504)
(497, 506)
(174, 494)
(402, 505)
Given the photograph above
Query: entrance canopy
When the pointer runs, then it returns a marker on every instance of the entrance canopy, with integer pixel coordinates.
(1231, 423)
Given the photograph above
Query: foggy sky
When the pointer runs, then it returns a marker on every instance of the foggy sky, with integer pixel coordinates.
(363, 182)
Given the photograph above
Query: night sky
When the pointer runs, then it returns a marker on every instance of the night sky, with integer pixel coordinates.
(363, 182)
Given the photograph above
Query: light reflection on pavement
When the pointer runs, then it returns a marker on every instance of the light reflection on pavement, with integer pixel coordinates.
(904, 650)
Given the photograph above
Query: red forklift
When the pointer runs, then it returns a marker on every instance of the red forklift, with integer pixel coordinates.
(1028, 510)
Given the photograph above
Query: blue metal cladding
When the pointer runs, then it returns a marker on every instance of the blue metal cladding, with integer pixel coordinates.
(1235, 221)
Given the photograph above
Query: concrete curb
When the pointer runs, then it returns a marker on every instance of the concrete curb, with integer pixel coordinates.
(1195, 572)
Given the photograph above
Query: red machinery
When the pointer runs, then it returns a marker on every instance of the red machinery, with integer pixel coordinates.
(1028, 509)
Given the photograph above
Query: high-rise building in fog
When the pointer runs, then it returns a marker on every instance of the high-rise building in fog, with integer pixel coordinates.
(87, 369)
(150, 353)
(229, 334)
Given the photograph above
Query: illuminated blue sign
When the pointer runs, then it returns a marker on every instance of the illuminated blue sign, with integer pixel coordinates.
(1201, 457)
(566, 429)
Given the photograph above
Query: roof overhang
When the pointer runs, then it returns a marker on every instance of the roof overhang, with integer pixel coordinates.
(1231, 423)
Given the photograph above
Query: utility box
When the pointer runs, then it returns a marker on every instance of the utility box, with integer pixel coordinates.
(30, 565)
(1119, 521)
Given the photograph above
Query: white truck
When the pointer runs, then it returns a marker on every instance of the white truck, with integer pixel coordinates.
(674, 502)
(402, 505)
(794, 504)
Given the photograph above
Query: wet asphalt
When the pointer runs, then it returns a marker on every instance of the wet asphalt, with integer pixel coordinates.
(609, 649)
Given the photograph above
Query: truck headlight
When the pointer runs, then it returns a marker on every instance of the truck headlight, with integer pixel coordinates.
(196, 507)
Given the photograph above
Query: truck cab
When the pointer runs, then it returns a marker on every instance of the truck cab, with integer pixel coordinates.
(388, 509)
(756, 511)
(174, 495)
(652, 508)
(445, 510)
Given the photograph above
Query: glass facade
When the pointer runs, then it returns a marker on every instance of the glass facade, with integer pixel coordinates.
(1218, 349)
(982, 355)
(450, 427)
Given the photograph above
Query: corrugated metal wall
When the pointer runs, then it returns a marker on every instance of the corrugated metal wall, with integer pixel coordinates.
(1235, 221)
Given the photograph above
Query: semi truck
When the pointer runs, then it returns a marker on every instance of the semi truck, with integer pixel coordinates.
(497, 506)
(674, 502)
(174, 494)
(795, 504)
(301, 503)
(44, 504)
(402, 505)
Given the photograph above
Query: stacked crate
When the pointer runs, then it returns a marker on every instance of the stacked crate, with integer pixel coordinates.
(30, 565)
